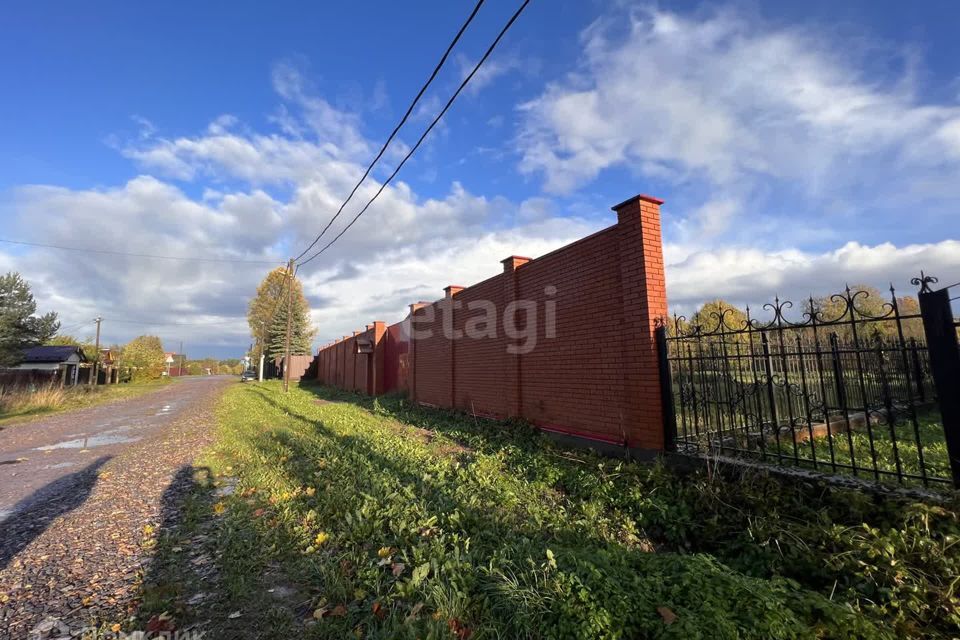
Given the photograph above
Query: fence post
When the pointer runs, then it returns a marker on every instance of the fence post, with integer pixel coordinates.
(666, 390)
(941, 333)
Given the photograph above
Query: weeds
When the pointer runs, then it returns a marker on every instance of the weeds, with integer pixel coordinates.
(492, 531)
(19, 404)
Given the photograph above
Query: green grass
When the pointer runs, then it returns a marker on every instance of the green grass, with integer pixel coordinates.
(27, 406)
(856, 449)
(389, 521)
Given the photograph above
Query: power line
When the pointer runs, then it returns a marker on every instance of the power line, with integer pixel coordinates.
(396, 129)
(151, 323)
(425, 133)
(137, 255)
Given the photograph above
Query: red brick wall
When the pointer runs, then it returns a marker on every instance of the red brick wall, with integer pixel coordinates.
(596, 378)
(478, 373)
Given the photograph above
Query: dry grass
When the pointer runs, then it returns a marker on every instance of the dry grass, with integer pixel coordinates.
(21, 400)
(21, 404)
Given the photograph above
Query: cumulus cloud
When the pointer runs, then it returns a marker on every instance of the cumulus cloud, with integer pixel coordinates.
(231, 192)
(753, 276)
(724, 100)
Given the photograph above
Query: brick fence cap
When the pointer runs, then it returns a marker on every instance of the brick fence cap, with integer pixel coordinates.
(516, 258)
(642, 196)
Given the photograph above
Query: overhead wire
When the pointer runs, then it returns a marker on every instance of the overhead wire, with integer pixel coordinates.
(450, 102)
(137, 255)
(396, 129)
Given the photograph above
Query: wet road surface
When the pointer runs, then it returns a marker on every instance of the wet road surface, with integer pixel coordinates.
(37, 459)
(86, 496)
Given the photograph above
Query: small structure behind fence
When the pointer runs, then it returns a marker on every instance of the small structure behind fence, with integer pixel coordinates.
(843, 389)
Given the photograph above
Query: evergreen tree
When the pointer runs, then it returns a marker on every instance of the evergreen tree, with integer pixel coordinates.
(301, 334)
(19, 328)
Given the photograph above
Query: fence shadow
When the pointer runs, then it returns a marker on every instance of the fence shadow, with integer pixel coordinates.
(32, 515)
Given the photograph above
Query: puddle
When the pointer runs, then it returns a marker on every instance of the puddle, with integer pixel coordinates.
(86, 443)
(61, 465)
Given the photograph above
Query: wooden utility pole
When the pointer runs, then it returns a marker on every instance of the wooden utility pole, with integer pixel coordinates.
(96, 357)
(286, 340)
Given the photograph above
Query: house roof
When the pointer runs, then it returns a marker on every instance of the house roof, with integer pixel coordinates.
(52, 353)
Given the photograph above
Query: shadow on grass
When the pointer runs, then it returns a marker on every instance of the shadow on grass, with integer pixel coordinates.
(31, 516)
(509, 539)
(172, 577)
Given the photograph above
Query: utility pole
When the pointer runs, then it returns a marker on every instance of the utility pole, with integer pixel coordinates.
(96, 358)
(263, 337)
(286, 340)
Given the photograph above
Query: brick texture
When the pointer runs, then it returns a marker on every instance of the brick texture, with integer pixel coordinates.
(596, 378)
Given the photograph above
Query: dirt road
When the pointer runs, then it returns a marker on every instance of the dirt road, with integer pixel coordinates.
(79, 494)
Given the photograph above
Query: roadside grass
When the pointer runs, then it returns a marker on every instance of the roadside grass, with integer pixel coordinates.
(377, 519)
(20, 405)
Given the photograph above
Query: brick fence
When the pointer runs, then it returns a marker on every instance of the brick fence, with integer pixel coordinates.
(582, 359)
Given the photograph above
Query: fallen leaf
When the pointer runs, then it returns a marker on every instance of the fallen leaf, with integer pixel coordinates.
(339, 611)
(162, 622)
(398, 568)
(459, 629)
(667, 614)
(378, 610)
(235, 615)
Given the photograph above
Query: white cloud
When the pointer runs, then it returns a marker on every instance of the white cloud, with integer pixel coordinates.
(753, 276)
(725, 101)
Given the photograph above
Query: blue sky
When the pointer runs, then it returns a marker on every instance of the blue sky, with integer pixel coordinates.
(798, 146)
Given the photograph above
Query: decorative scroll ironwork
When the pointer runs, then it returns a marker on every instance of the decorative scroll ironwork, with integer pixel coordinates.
(840, 384)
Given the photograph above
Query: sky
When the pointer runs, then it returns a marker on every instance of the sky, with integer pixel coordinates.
(797, 146)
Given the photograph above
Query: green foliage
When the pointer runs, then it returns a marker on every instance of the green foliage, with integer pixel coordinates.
(20, 328)
(301, 334)
(89, 348)
(404, 522)
(144, 356)
(267, 316)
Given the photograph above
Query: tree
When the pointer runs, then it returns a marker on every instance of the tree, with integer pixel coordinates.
(268, 320)
(301, 333)
(89, 348)
(145, 357)
(19, 328)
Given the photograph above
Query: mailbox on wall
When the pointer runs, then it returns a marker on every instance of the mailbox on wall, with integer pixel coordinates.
(364, 345)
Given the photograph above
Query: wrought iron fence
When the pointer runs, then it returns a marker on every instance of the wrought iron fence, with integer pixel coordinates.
(846, 387)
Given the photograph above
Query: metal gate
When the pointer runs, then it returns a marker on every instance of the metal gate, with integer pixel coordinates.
(851, 385)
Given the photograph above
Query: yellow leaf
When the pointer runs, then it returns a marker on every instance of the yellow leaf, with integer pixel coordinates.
(321, 538)
(115, 628)
(383, 552)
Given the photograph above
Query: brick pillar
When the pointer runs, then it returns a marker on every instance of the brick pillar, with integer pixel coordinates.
(513, 398)
(412, 374)
(379, 356)
(448, 293)
(644, 294)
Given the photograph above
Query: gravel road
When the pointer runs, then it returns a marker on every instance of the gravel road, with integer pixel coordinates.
(80, 494)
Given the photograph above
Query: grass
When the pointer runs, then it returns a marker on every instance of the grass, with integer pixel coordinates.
(382, 520)
(21, 405)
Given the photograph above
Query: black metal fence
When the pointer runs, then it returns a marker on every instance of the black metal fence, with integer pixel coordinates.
(851, 385)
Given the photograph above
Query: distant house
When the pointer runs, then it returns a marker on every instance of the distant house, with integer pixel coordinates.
(174, 364)
(62, 363)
